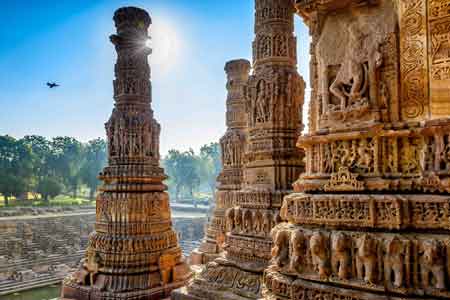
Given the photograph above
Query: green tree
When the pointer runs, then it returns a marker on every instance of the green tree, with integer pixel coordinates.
(93, 162)
(49, 187)
(44, 163)
(69, 160)
(15, 167)
(210, 165)
(182, 168)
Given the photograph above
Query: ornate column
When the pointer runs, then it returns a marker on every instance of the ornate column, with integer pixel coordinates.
(233, 146)
(369, 217)
(271, 161)
(133, 252)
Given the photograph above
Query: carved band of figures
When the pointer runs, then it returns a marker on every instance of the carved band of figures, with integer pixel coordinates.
(428, 212)
(275, 96)
(281, 287)
(268, 11)
(145, 172)
(155, 242)
(413, 263)
(219, 223)
(122, 208)
(275, 45)
(132, 135)
(230, 179)
(133, 228)
(233, 146)
(253, 222)
(250, 199)
(413, 159)
(132, 87)
(216, 277)
(248, 248)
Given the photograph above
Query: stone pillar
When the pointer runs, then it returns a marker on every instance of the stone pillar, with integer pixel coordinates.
(369, 217)
(274, 98)
(233, 146)
(133, 252)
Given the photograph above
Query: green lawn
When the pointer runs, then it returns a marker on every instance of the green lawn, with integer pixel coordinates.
(61, 200)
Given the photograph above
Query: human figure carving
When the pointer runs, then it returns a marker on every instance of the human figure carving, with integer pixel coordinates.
(341, 258)
(408, 159)
(364, 161)
(258, 222)
(432, 263)
(92, 265)
(230, 219)
(352, 72)
(319, 253)
(247, 221)
(267, 222)
(297, 249)
(238, 219)
(261, 102)
(366, 258)
(394, 261)
(280, 249)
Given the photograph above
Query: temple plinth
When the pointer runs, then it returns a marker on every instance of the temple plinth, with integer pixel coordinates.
(271, 162)
(133, 252)
(232, 146)
(369, 218)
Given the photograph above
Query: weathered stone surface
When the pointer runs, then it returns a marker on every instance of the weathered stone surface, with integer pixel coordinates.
(233, 149)
(133, 252)
(41, 250)
(271, 163)
(369, 217)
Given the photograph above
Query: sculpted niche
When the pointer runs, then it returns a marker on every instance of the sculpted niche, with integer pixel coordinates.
(352, 53)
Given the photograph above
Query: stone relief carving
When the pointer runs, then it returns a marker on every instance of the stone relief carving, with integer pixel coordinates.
(320, 255)
(341, 259)
(432, 264)
(377, 175)
(394, 261)
(366, 258)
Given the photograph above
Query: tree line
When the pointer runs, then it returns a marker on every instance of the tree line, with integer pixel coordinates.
(47, 168)
(188, 171)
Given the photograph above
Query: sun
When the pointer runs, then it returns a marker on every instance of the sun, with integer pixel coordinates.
(166, 44)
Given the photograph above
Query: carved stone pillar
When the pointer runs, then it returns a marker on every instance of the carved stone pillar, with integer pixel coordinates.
(233, 147)
(133, 252)
(274, 98)
(369, 217)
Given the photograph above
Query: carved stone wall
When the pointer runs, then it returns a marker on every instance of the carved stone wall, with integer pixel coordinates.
(41, 249)
(368, 219)
(133, 252)
(274, 99)
(232, 148)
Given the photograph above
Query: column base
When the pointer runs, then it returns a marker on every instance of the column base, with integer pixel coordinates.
(77, 292)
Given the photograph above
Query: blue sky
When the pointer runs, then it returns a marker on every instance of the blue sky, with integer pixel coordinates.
(68, 41)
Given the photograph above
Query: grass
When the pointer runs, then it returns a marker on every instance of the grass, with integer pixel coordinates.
(61, 200)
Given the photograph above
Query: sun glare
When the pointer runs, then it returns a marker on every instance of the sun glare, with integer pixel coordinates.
(166, 44)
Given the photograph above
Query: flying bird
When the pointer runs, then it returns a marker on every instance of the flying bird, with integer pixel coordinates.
(52, 84)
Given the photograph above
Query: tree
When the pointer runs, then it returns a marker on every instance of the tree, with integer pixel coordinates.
(43, 162)
(93, 162)
(210, 165)
(182, 168)
(15, 167)
(69, 159)
(49, 187)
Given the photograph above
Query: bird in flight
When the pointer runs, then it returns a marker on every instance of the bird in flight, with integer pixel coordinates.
(52, 84)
